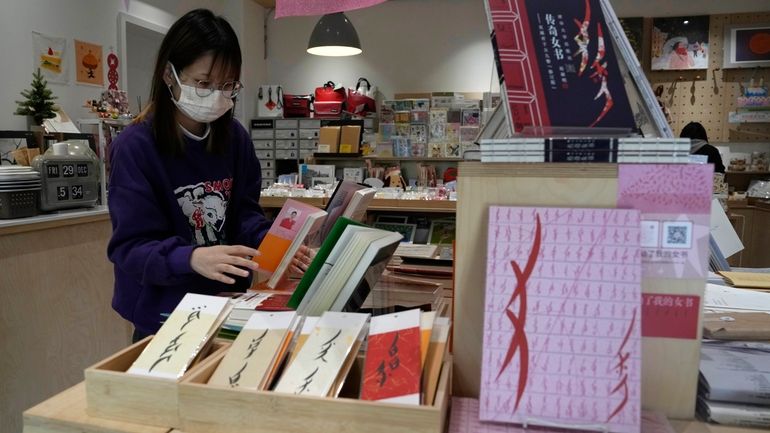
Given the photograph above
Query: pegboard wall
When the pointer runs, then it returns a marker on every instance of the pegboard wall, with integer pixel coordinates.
(707, 96)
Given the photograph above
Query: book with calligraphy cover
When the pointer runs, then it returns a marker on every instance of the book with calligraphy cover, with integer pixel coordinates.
(307, 328)
(437, 351)
(562, 319)
(295, 223)
(183, 336)
(558, 64)
(392, 368)
(257, 349)
(318, 364)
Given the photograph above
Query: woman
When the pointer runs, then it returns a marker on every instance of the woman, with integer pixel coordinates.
(699, 145)
(185, 182)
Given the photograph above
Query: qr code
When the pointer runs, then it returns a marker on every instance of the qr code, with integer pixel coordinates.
(677, 234)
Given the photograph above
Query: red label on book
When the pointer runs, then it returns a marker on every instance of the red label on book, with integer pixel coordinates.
(392, 366)
(670, 316)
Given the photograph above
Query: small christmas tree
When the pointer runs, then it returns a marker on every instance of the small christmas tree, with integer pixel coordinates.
(39, 103)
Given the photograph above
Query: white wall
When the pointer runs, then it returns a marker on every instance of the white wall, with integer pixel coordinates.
(96, 21)
(408, 46)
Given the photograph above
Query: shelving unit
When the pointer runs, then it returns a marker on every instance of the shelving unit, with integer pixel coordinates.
(378, 205)
(341, 157)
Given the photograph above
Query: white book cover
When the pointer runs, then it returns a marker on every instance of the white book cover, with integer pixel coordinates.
(321, 358)
(741, 415)
(186, 331)
(255, 351)
(335, 254)
(356, 209)
(368, 269)
(737, 375)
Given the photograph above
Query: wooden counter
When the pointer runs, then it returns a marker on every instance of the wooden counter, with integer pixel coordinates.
(752, 223)
(55, 306)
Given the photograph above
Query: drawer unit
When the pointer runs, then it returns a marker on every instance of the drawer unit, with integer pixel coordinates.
(306, 153)
(267, 183)
(309, 124)
(268, 174)
(267, 164)
(285, 144)
(262, 134)
(368, 123)
(286, 154)
(308, 144)
(309, 133)
(265, 154)
(285, 133)
(263, 144)
(286, 124)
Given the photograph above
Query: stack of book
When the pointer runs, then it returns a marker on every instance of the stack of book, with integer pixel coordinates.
(393, 293)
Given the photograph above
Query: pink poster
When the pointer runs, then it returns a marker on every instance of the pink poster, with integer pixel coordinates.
(295, 8)
(562, 320)
(675, 202)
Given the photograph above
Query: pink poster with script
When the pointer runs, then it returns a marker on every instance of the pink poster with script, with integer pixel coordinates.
(675, 202)
(562, 320)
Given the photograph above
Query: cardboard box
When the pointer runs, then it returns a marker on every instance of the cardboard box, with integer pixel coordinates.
(329, 139)
(114, 394)
(350, 139)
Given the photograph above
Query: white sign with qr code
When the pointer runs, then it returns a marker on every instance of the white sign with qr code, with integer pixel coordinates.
(677, 234)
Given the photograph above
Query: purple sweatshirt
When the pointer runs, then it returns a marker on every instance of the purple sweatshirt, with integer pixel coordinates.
(162, 207)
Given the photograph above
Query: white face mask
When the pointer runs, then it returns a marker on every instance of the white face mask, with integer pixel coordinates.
(204, 109)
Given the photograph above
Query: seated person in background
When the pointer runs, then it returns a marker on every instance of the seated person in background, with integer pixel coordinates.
(700, 145)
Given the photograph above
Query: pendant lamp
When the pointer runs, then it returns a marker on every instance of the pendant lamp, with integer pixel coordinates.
(334, 35)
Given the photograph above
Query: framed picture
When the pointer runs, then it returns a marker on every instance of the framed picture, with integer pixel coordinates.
(442, 232)
(634, 28)
(399, 219)
(747, 46)
(680, 43)
(406, 230)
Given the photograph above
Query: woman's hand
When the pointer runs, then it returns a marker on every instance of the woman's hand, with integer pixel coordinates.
(217, 261)
(302, 259)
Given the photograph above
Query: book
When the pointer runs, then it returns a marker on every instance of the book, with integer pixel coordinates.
(311, 276)
(307, 328)
(562, 317)
(735, 373)
(254, 353)
(338, 203)
(368, 270)
(320, 360)
(437, 350)
(741, 415)
(426, 327)
(751, 280)
(578, 65)
(427, 251)
(736, 326)
(295, 222)
(184, 335)
(392, 366)
(359, 203)
(244, 305)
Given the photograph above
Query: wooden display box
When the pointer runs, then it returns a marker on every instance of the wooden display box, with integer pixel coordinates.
(212, 409)
(113, 394)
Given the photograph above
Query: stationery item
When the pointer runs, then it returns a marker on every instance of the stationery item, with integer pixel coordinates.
(184, 336)
(387, 130)
(392, 367)
(736, 326)
(313, 174)
(438, 122)
(723, 232)
(421, 104)
(417, 116)
(437, 350)
(350, 200)
(418, 133)
(259, 347)
(294, 223)
(471, 117)
(562, 317)
(740, 415)
(320, 360)
(751, 280)
(350, 139)
(468, 134)
(725, 298)
(353, 174)
(329, 139)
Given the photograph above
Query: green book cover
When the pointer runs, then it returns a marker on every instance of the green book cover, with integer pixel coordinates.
(323, 253)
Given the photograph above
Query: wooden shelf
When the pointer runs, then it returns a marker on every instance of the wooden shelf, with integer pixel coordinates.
(378, 205)
(749, 172)
(338, 157)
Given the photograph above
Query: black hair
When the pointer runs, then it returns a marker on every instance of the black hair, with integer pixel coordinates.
(694, 131)
(197, 33)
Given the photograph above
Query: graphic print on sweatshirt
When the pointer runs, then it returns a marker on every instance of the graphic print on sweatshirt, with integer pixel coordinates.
(205, 206)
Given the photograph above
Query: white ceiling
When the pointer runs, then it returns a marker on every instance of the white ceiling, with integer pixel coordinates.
(672, 8)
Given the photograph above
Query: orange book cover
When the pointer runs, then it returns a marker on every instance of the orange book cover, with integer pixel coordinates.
(287, 225)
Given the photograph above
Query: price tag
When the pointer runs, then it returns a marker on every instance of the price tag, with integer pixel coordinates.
(68, 170)
(82, 170)
(52, 170)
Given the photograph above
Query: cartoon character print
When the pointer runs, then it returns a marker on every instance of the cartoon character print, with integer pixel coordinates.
(205, 208)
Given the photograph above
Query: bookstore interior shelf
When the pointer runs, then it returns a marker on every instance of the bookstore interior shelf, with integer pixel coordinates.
(377, 205)
(347, 157)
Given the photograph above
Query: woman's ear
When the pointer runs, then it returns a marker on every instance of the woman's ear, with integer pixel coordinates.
(168, 76)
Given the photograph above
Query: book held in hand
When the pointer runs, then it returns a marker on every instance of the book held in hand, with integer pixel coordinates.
(183, 336)
(392, 368)
(295, 223)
